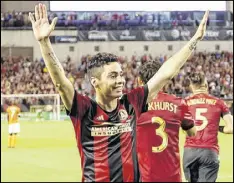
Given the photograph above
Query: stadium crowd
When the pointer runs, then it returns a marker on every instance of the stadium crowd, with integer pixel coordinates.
(19, 19)
(112, 20)
(20, 75)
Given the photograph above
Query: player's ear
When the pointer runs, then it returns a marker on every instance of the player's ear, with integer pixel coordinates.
(139, 81)
(93, 82)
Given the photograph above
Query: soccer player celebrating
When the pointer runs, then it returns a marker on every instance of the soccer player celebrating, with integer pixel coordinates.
(13, 124)
(200, 160)
(105, 127)
(158, 132)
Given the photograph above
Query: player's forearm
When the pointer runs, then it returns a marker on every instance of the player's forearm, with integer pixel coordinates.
(51, 61)
(172, 66)
(61, 82)
(228, 127)
(169, 69)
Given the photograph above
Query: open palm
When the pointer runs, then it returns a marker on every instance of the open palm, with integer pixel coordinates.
(41, 27)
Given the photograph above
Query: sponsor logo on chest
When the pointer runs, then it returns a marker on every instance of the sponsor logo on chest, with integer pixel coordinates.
(106, 128)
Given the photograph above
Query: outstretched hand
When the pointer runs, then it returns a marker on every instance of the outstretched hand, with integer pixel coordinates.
(202, 27)
(41, 27)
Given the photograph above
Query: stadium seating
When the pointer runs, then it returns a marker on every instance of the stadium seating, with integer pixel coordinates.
(21, 75)
(120, 20)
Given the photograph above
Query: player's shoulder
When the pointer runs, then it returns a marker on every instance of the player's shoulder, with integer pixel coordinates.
(209, 96)
(170, 97)
(198, 95)
(166, 95)
(9, 108)
(137, 89)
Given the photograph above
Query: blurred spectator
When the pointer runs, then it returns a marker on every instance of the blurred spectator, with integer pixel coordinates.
(21, 75)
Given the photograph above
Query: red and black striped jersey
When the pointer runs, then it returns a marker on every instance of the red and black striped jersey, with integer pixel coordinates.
(107, 140)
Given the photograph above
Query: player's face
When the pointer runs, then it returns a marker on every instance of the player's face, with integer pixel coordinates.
(112, 81)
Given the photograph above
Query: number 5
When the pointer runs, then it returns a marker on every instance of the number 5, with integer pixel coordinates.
(202, 118)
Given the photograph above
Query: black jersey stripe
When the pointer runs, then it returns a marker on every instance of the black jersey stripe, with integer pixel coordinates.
(115, 159)
(114, 154)
(88, 140)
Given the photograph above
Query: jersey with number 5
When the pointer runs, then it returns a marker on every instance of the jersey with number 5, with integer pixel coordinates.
(206, 110)
(158, 137)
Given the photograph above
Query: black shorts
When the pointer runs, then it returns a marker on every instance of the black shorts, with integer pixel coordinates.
(200, 164)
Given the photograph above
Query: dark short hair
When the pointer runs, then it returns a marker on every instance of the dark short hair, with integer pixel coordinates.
(98, 61)
(197, 79)
(148, 69)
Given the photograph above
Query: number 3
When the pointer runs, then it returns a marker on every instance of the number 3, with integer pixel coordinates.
(202, 118)
(160, 132)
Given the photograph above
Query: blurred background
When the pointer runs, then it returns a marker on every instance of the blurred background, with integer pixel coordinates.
(136, 32)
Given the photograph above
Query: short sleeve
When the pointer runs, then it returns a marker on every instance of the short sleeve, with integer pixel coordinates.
(80, 105)
(187, 121)
(224, 108)
(138, 97)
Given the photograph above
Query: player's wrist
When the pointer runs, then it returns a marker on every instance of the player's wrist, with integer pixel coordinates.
(44, 41)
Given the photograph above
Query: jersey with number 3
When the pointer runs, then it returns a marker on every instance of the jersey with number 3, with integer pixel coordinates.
(207, 111)
(158, 137)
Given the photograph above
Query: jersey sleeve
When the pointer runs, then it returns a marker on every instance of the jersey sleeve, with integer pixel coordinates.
(224, 108)
(187, 121)
(138, 97)
(80, 105)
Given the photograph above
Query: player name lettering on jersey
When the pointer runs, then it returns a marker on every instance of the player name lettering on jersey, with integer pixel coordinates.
(162, 106)
(201, 101)
(110, 130)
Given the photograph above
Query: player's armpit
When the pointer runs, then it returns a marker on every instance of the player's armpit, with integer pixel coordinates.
(66, 92)
(192, 131)
(155, 84)
(228, 120)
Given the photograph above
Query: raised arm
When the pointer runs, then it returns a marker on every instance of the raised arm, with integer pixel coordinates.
(42, 30)
(173, 65)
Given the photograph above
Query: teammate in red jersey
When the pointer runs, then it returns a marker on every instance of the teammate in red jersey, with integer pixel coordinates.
(200, 161)
(105, 127)
(158, 132)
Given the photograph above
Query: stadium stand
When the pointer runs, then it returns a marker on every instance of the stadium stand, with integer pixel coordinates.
(120, 20)
(22, 75)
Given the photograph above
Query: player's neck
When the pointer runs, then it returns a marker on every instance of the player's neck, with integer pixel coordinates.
(198, 91)
(106, 104)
